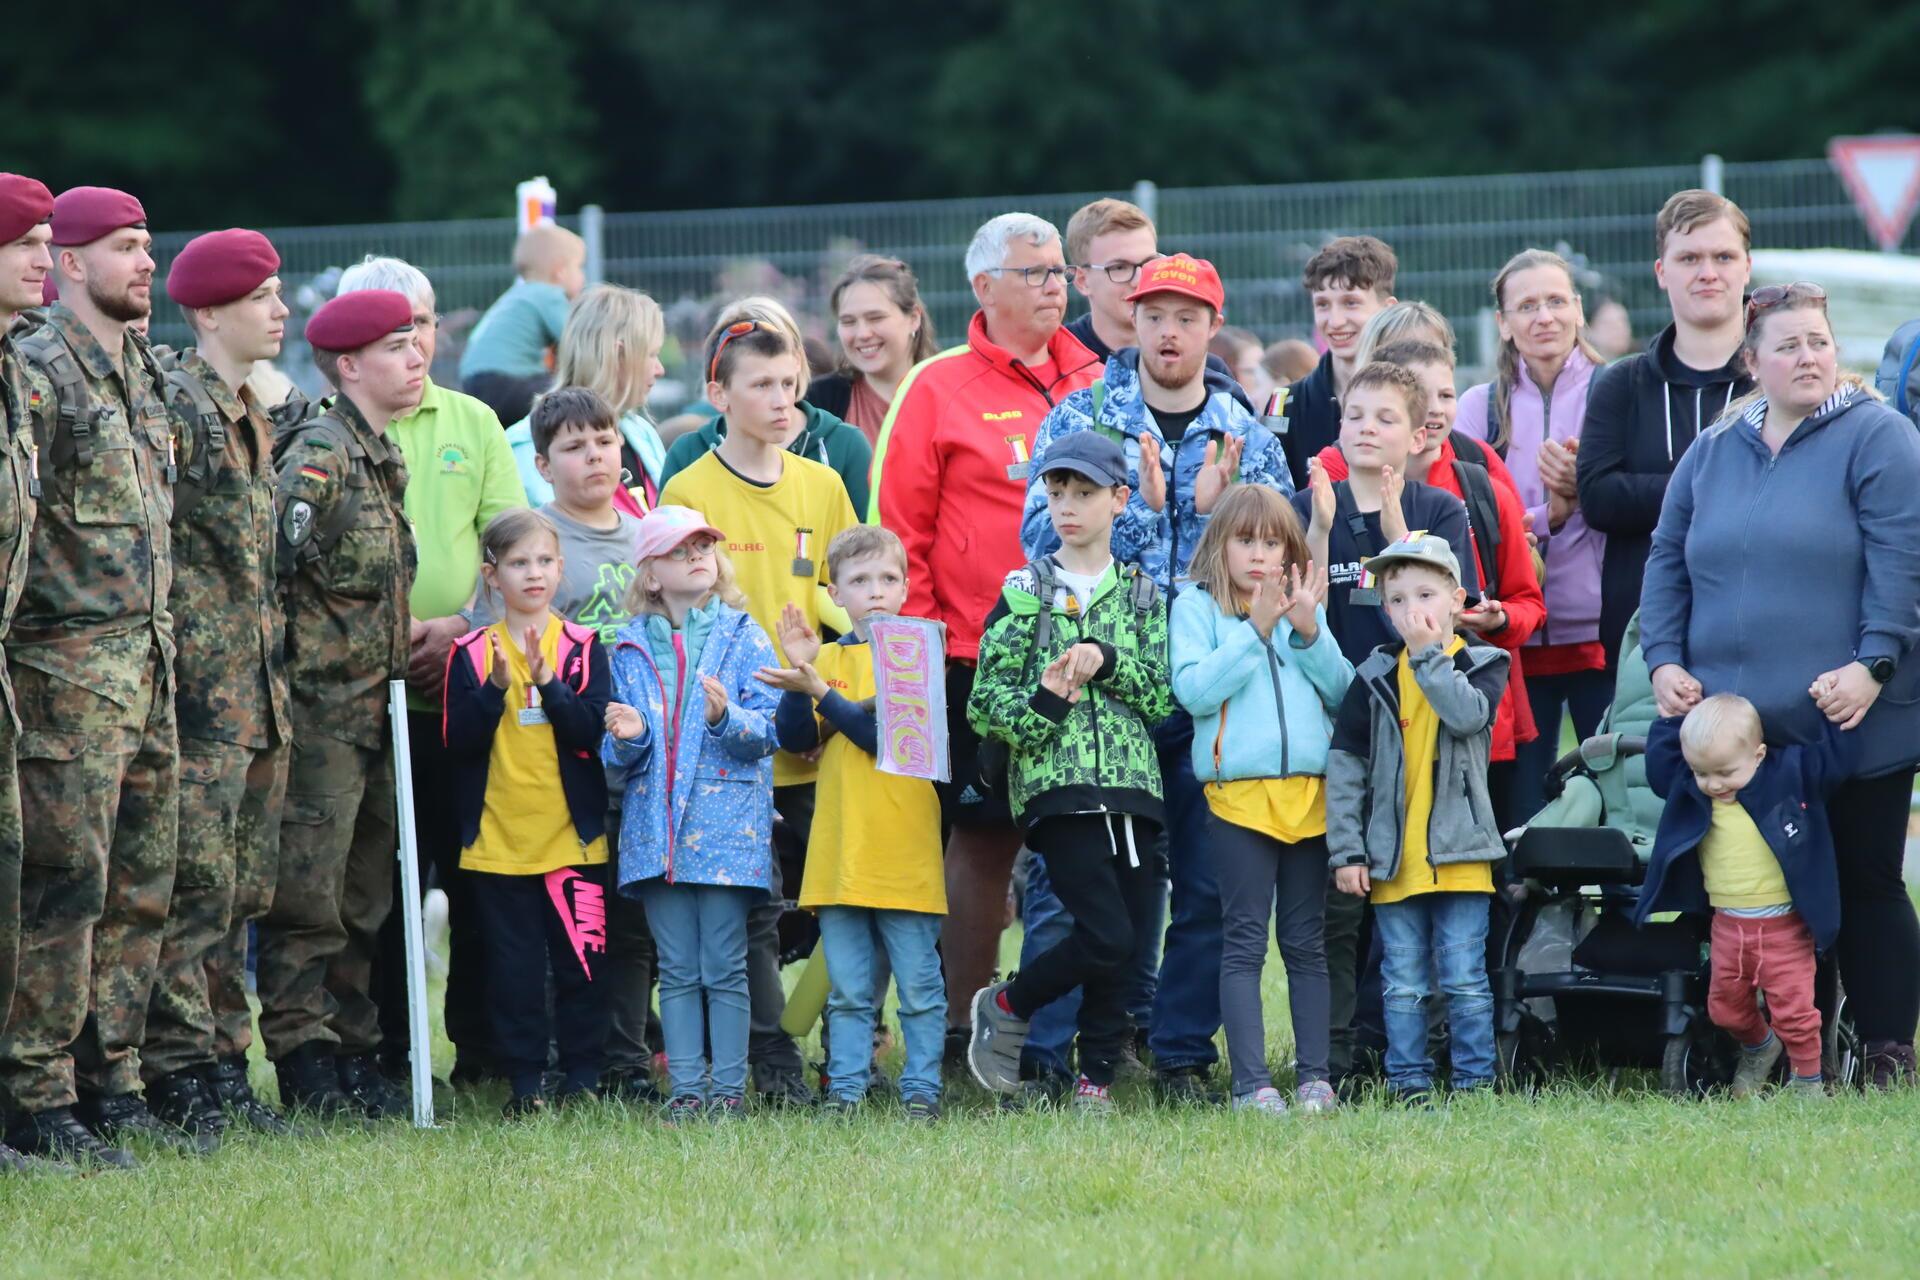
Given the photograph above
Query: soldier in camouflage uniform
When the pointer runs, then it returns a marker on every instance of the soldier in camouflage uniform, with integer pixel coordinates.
(91, 654)
(25, 210)
(346, 557)
(231, 693)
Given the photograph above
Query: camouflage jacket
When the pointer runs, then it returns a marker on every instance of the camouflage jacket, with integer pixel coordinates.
(229, 681)
(17, 493)
(95, 604)
(346, 604)
(1097, 754)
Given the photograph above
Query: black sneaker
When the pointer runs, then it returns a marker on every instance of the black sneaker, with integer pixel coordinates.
(1889, 1064)
(1415, 1099)
(1187, 1087)
(310, 1082)
(784, 1089)
(370, 1092)
(921, 1110)
(470, 1071)
(569, 1099)
(954, 1056)
(635, 1088)
(527, 1106)
(56, 1135)
(183, 1100)
(227, 1079)
(1048, 1092)
(122, 1116)
(839, 1110)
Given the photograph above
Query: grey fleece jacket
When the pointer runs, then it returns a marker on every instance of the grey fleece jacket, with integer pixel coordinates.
(1366, 766)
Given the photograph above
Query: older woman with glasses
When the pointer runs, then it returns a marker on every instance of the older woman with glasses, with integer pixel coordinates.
(1786, 568)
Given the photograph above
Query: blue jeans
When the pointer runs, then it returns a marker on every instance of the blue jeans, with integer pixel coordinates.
(1436, 939)
(1186, 1009)
(853, 937)
(1582, 694)
(701, 933)
(1044, 922)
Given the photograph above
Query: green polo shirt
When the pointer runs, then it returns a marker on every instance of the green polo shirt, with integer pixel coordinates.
(460, 475)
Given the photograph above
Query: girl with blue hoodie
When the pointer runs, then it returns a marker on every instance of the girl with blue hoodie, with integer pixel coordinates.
(1257, 667)
(693, 729)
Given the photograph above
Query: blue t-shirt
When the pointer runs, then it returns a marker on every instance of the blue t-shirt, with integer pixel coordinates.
(513, 336)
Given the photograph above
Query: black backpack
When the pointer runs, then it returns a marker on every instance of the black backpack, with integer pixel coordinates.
(1483, 515)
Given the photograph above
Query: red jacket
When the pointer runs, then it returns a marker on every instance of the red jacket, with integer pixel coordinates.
(1518, 589)
(950, 472)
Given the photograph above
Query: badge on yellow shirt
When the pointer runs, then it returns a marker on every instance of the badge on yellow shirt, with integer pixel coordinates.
(802, 553)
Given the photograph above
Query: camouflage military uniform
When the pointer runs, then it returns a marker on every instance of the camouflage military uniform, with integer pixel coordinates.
(231, 700)
(347, 636)
(91, 652)
(16, 523)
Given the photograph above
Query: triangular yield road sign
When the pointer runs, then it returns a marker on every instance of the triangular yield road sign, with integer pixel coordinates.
(1882, 173)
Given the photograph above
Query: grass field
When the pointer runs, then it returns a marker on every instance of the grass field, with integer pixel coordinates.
(1583, 1181)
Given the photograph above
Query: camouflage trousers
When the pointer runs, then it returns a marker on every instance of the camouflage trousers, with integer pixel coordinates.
(223, 878)
(339, 833)
(97, 795)
(9, 863)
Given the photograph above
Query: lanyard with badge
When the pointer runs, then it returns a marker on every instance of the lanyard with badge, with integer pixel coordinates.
(533, 713)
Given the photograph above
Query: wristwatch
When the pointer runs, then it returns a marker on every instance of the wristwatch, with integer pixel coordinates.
(1881, 669)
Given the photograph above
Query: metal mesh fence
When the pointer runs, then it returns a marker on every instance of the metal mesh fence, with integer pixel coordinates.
(1451, 235)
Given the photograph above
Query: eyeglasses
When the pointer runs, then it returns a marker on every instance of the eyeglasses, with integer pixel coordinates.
(740, 329)
(1118, 272)
(1554, 306)
(1035, 277)
(1769, 296)
(692, 549)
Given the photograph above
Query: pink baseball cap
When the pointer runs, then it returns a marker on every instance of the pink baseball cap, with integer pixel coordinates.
(664, 528)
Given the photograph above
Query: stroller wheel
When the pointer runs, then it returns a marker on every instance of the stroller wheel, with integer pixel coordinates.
(1695, 1062)
(1517, 1063)
(1843, 1056)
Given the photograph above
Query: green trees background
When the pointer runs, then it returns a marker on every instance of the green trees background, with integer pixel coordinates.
(255, 111)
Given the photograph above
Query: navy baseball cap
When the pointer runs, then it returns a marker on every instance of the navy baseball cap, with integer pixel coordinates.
(1089, 454)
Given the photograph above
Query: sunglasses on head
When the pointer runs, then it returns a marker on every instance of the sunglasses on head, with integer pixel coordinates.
(1769, 296)
(739, 329)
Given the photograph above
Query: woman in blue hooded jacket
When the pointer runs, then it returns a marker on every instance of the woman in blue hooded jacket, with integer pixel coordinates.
(1786, 568)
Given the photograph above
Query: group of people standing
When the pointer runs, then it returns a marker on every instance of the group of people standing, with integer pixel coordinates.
(641, 715)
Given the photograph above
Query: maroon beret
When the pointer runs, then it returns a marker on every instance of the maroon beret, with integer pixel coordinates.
(352, 320)
(24, 205)
(219, 267)
(82, 215)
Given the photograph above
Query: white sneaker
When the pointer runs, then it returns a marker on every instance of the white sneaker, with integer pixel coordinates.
(1266, 1099)
(1316, 1096)
(1092, 1099)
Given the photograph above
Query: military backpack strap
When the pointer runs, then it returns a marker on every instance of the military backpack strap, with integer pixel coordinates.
(206, 441)
(71, 440)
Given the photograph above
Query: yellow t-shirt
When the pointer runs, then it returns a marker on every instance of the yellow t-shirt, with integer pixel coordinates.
(876, 836)
(1420, 731)
(526, 828)
(1739, 868)
(777, 538)
(1288, 809)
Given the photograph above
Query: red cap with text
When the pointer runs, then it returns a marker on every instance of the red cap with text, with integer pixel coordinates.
(1177, 273)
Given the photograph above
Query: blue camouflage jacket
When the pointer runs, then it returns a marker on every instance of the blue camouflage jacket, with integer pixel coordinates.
(1160, 542)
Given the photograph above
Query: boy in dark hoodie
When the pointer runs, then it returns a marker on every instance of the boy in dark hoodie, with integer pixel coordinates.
(1745, 831)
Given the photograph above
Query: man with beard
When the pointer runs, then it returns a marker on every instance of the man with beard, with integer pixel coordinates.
(1186, 437)
(231, 695)
(91, 653)
(26, 210)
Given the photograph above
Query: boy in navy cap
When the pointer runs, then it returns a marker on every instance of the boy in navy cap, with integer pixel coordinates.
(345, 558)
(230, 691)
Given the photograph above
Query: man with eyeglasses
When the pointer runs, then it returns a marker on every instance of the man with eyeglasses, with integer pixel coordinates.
(1108, 242)
(950, 475)
(460, 475)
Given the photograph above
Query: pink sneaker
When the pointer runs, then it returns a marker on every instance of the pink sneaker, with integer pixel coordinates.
(1092, 1099)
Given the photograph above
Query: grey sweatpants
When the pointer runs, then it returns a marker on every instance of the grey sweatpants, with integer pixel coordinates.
(1260, 877)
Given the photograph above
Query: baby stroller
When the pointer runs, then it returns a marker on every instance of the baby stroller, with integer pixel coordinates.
(1574, 983)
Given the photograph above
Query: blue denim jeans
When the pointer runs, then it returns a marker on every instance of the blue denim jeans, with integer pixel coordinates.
(853, 937)
(1186, 1008)
(701, 933)
(1044, 922)
(1436, 939)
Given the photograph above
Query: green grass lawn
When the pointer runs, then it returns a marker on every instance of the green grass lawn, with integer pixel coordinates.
(1579, 1182)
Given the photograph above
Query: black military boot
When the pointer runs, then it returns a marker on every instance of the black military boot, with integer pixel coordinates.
(12, 1161)
(370, 1092)
(227, 1079)
(310, 1082)
(117, 1117)
(183, 1100)
(57, 1135)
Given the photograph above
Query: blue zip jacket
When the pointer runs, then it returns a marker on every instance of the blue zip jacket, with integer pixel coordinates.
(1787, 802)
(1261, 708)
(698, 800)
(1767, 571)
(1159, 542)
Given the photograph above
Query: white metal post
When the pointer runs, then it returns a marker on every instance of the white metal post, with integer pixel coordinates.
(1713, 174)
(413, 926)
(593, 229)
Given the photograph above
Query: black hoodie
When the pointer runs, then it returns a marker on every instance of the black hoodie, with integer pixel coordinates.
(1645, 410)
